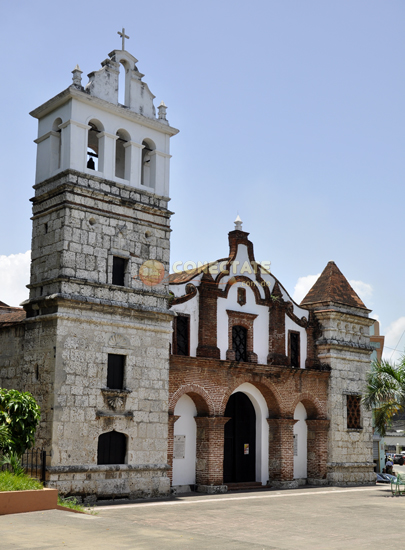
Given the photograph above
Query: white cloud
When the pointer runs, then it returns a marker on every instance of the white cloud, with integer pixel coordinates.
(14, 275)
(364, 290)
(302, 287)
(394, 339)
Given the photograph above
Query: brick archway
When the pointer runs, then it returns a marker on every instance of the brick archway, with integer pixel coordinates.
(199, 395)
(313, 406)
(270, 395)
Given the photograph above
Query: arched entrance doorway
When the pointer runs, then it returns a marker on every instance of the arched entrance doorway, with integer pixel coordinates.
(240, 440)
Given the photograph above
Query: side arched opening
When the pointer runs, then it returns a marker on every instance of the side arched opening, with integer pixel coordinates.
(300, 431)
(185, 442)
(56, 147)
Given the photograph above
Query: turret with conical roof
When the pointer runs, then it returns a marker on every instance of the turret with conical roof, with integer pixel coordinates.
(332, 286)
(344, 344)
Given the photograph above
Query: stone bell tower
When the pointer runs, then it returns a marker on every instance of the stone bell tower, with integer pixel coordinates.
(98, 327)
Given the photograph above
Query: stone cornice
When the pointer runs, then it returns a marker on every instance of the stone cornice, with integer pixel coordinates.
(334, 343)
(68, 184)
(73, 93)
(361, 315)
(64, 298)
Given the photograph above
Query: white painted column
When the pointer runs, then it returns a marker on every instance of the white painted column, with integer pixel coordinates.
(161, 172)
(74, 145)
(133, 159)
(44, 154)
(106, 154)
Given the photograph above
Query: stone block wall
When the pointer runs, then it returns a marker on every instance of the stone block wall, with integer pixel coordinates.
(27, 363)
(80, 223)
(344, 345)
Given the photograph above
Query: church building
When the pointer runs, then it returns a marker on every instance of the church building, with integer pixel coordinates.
(208, 378)
(264, 391)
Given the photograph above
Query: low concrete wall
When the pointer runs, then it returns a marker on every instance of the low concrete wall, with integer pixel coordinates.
(16, 502)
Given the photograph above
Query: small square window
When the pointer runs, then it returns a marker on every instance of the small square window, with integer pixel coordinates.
(115, 372)
(119, 268)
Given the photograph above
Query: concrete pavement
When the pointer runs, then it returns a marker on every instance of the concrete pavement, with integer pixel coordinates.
(324, 518)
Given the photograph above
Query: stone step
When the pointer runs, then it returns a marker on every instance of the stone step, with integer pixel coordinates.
(245, 485)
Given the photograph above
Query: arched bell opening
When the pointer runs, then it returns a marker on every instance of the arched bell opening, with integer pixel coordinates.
(94, 151)
(123, 95)
(56, 149)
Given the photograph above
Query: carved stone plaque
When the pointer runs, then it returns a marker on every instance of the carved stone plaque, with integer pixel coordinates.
(179, 446)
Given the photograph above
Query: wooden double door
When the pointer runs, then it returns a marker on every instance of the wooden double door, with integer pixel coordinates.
(240, 440)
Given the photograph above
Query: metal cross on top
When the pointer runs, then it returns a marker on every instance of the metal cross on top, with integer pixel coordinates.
(123, 36)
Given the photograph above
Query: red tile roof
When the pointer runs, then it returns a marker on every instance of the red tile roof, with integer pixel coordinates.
(10, 315)
(185, 276)
(332, 286)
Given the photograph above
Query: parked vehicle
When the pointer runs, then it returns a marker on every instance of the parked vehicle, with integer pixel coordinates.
(398, 459)
(385, 478)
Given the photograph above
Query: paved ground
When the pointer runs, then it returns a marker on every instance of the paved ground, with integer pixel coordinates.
(325, 518)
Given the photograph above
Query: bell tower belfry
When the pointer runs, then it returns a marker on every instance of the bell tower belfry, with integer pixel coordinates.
(99, 327)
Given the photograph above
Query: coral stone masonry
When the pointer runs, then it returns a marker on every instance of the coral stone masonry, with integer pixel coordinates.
(210, 377)
(94, 348)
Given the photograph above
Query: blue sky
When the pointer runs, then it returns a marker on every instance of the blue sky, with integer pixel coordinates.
(291, 113)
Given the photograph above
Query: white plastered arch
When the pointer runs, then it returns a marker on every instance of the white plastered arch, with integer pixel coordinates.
(300, 442)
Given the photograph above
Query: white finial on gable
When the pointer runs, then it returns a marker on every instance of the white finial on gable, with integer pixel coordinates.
(162, 112)
(77, 77)
(238, 223)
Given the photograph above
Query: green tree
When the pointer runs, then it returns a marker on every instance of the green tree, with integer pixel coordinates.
(385, 392)
(19, 418)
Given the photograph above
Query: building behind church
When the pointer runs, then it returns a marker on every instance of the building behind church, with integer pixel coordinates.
(212, 378)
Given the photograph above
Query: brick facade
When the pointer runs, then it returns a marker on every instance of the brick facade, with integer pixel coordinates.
(210, 383)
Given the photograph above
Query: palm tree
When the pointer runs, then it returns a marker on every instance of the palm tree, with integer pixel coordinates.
(385, 392)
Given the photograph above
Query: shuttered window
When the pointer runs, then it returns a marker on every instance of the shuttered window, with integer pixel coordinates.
(115, 372)
(112, 448)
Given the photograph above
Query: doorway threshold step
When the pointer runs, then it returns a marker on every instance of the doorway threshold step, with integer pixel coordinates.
(245, 485)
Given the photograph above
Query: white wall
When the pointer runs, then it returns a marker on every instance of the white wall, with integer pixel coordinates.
(260, 324)
(184, 468)
(262, 430)
(301, 433)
